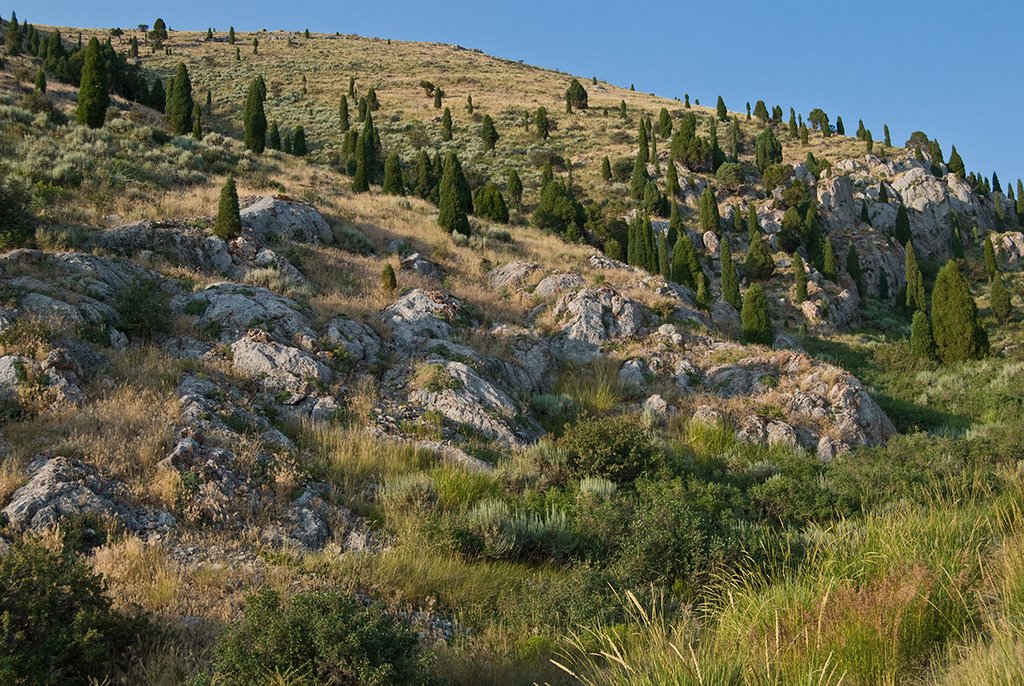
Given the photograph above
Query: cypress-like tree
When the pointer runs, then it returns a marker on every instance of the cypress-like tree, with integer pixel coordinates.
(956, 164)
(425, 182)
(685, 265)
(883, 193)
(671, 179)
(709, 219)
(753, 225)
(902, 229)
(255, 45)
(93, 98)
(999, 298)
(40, 80)
(756, 325)
(388, 282)
(231, 35)
(613, 249)
(575, 96)
(393, 183)
(452, 208)
(955, 328)
(800, 278)
(469, 104)
(209, 102)
(606, 169)
(438, 94)
(921, 344)
(14, 38)
(767, 150)
(829, 269)
(639, 178)
(664, 266)
(274, 137)
(760, 264)
(730, 282)
(446, 125)
(915, 281)
(371, 98)
(723, 113)
(853, 268)
(255, 118)
(180, 103)
(343, 115)
(489, 203)
(299, 148)
(643, 148)
(515, 188)
(488, 134)
(228, 224)
(841, 128)
(990, 257)
(197, 126)
(664, 123)
(157, 97)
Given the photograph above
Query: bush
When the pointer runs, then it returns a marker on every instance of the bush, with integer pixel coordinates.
(730, 176)
(616, 448)
(494, 530)
(57, 624)
(776, 175)
(324, 636)
(144, 308)
(15, 220)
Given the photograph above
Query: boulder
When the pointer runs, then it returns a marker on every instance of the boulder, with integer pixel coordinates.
(421, 265)
(420, 315)
(1010, 249)
(179, 244)
(594, 316)
(286, 372)
(513, 275)
(360, 342)
(556, 284)
(280, 219)
(230, 309)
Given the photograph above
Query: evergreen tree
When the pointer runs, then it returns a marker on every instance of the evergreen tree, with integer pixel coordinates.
(888, 138)
(489, 203)
(639, 178)
(915, 299)
(606, 169)
(613, 249)
(371, 98)
(703, 299)
(921, 344)
(664, 123)
(452, 208)
(756, 325)
(231, 35)
(760, 264)
(209, 34)
(854, 270)
(14, 38)
(1020, 202)
(869, 140)
(469, 104)
(343, 115)
(883, 286)
(575, 96)
(829, 270)
(753, 226)
(157, 97)
(274, 137)
(671, 179)
(883, 194)
(352, 87)
(197, 127)
(515, 188)
(685, 265)
(546, 174)
(864, 212)
(664, 266)
(180, 101)
(800, 277)
(438, 94)
(767, 150)
(40, 80)
(999, 298)
(990, 257)
(446, 125)
(366, 162)
(488, 134)
(424, 176)
(734, 140)
(255, 118)
(761, 112)
(643, 149)
(675, 224)
(543, 125)
(805, 135)
(393, 183)
(958, 335)
(730, 281)
(388, 282)
(709, 219)
(956, 164)
(902, 230)
(255, 45)
(93, 98)
(723, 113)
(299, 141)
(228, 224)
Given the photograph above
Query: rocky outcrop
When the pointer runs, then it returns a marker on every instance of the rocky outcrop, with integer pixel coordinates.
(556, 284)
(1009, 248)
(279, 219)
(513, 275)
(228, 310)
(361, 344)
(179, 244)
(421, 315)
(286, 373)
(594, 316)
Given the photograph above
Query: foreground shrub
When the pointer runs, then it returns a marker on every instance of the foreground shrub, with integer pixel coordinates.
(144, 308)
(323, 637)
(15, 220)
(616, 448)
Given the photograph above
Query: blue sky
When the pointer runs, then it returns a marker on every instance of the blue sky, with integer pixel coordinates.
(951, 68)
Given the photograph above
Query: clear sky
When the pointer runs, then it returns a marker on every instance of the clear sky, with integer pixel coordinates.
(951, 68)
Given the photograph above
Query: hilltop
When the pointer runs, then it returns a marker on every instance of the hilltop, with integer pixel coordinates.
(493, 455)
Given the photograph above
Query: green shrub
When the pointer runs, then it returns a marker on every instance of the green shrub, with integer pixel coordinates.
(56, 623)
(144, 308)
(324, 636)
(15, 220)
(617, 448)
(494, 530)
(414, 491)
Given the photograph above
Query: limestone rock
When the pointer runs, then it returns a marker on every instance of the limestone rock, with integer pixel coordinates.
(279, 219)
(232, 309)
(420, 315)
(594, 316)
(556, 284)
(283, 370)
(512, 275)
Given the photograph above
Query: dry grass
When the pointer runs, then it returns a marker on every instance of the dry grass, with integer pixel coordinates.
(139, 574)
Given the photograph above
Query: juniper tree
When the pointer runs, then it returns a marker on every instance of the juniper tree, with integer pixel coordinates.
(446, 125)
(761, 112)
(469, 104)
(883, 286)
(365, 155)
(915, 298)
(157, 97)
(685, 265)
(274, 137)
(702, 298)
(393, 182)
(14, 37)
(730, 281)
(955, 328)
(547, 175)
(255, 119)
(231, 35)
(767, 150)
(489, 203)
(734, 140)
(180, 102)
(362, 109)
(388, 282)
(990, 257)
(343, 116)
(748, 110)
(723, 113)
(956, 164)
(888, 138)
(255, 45)
(738, 222)
(664, 266)
(515, 188)
(639, 178)
(804, 135)
(869, 140)
(883, 193)
(613, 249)
(841, 128)
(853, 268)
(543, 125)
(921, 344)
(754, 320)
(575, 96)
(664, 123)
(760, 264)
(793, 130)
(452, 207)
(438, 94)
(93, 98)
(753, 226)
(197, 127)
(209, 34)
(709, 219)
(643, 149)
(371, 97)
(671, 179)
(424, 176)
(999, 298)
(902, 228)
(40, 80)
(800, 279)
(299, 148)
(488, 134)
(606, 169)
(352, 87)
(829, 270)
(675, 224)
(228, 224)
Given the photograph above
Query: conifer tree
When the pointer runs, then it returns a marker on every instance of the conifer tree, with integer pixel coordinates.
(388, 282)
(921, 344)
(606, 169)
(228, 224)
(999, 298)
(730, 281)
(452, 208)
(622, 109)
(883, 286)
(180, 101)
(371, 98)
(546, 174)
(664, 123)
(446, 125)
(955, 328)
(734, 140)
(488, 134)
(365, 154)
(753, 226)
(14, 38)
(864, 212)
(664, 266)
(869, 140)
(761, 112)
(841, 128)
(709, 219)
(643, 149)
(209, 34)
(424, 176)
(675, 224)
(902, 229)
(40, 80)
(639, 178)
(990, 257)
(543, 125)
(613, 249)
(915, 299)
(883, 193)
(756, 325)
(793, 130)
(157, 97)
(853, 268)
(760, 264)
(93, 98)
(575, 96)
(255, 45)
(703, 299)
(438, 94)
(299, 141)
(828, 269)
(469, 104)
(274, 137)
(515, 188)
(489, 203)
(231, 35)
(723, 113)
(671, 179)
(956, 164)
(685, 266)
(393, 183)
(255, 118)
(343, 116)
(767, 150)
(352, 87)
(888, 138)
(238, 54)
(800, 278)
(805, 135)
(197, 127)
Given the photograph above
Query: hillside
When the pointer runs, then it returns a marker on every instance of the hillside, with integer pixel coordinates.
(525, 461)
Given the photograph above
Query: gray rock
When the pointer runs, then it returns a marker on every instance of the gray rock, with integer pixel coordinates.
(513, 275)
(556, 284)
(594, 316)
(707, 415)
(360, 342)
(59, 488)
(419, 315)
(421, 265)
(285, 371)
(280, 219)
(232, 309)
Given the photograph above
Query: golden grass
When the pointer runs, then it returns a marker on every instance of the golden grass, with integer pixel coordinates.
(139, 574)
